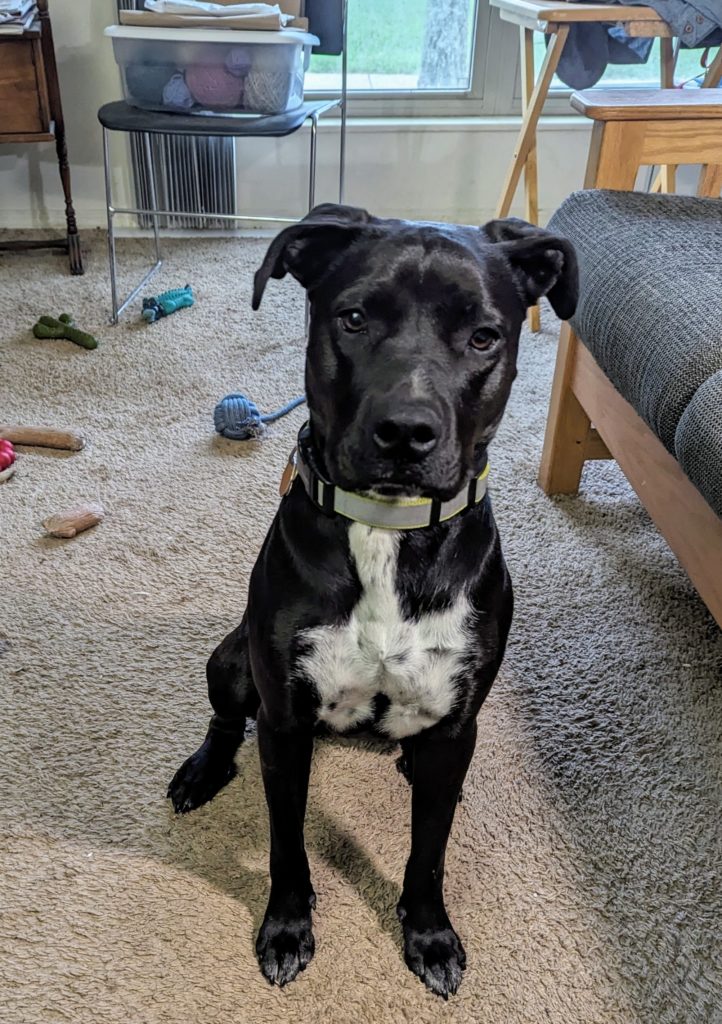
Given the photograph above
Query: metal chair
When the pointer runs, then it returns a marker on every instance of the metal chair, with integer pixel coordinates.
(327, 20)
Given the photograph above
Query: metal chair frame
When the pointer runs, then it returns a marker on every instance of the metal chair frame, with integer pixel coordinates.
(322, 107)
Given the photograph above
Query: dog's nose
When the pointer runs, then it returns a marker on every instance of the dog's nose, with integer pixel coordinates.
(410, 434)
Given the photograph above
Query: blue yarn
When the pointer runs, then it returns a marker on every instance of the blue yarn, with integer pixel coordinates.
(238, 418)
(177, 94)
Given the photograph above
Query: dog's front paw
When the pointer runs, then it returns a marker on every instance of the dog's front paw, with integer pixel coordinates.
(199, 779)
(285, 946)
(436, 956)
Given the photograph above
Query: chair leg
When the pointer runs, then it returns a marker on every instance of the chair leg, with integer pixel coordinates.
(568, 425)
(312, 164)
(311, 201)
(152, 191)
(344, 96)
(111, 234)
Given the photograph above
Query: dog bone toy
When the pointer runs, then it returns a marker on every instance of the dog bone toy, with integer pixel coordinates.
(7, 460)
(42, 437)
(64, 328)
(157, 306)
(74, 520)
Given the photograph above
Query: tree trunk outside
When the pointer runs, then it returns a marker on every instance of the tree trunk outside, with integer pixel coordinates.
(444, 61)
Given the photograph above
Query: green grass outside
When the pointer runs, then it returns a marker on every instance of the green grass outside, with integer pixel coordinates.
(385, 37)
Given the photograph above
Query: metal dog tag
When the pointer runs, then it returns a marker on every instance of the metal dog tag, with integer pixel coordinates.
(289, 475)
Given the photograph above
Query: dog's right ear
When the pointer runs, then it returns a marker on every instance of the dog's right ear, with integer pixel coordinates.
(307, 249)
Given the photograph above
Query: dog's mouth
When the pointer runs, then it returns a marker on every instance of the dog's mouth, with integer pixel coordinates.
(403, 486)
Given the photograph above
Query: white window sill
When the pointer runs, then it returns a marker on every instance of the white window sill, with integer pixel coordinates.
(454, 124)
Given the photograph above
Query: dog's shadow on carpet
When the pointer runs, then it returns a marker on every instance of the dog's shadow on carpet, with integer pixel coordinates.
(226, 842)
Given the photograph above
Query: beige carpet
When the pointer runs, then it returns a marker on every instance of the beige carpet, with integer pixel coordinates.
(583, 870)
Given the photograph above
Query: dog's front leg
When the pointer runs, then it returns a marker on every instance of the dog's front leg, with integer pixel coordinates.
(285, 942)
(432, 948)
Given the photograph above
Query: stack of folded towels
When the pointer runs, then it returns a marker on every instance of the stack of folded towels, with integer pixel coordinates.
(219, 13)
(16, 16)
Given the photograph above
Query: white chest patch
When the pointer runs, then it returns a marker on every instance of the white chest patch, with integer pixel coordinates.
(414, 664)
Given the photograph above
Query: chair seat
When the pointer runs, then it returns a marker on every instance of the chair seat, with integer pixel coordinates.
(120, 116)
(650, 308)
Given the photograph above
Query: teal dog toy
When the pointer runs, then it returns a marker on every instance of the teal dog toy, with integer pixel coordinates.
(158, 306)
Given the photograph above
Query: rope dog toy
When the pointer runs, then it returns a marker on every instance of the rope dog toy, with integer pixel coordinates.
(65, 329)
(239, 419)
(157, 306)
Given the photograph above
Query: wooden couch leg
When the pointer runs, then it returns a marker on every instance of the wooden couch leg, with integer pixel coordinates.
(568, 425)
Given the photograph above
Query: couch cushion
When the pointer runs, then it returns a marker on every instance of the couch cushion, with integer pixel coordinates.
(650, 309)
(698, 440)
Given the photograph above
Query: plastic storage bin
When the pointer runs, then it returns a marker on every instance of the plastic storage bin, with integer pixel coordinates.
(211, 71)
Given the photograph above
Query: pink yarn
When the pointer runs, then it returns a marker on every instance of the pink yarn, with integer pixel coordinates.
(213, 86)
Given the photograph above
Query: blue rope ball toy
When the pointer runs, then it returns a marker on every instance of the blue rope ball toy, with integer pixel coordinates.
(239, 419)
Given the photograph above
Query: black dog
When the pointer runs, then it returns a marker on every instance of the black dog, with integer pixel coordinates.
(380, 597)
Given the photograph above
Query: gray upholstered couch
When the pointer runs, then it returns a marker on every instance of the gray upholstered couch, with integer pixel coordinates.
(649, 322)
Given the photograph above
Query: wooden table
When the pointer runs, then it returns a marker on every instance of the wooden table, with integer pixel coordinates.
(555, 19)
(31, 111)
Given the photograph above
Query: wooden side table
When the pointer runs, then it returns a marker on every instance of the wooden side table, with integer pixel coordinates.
(31, 111)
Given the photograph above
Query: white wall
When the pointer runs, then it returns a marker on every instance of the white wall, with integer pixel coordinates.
(448, 170)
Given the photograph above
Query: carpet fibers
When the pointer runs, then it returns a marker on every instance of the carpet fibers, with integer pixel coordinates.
(583, 868)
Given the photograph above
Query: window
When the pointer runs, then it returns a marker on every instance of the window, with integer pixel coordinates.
(415, 56)
(449, 57)
(400, 45)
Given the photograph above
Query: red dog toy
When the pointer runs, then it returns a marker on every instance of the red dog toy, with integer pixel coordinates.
(7, 459)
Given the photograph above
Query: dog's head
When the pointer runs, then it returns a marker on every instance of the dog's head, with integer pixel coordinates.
(413, 339)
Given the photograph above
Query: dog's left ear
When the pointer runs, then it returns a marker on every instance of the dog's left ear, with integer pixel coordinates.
(307, 249)
(542, 263)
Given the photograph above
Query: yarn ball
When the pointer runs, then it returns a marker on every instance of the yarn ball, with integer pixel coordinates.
(238, 418)
(213, 86)
(238, 60)
(145, 82)
(268, 92)
(176, 93)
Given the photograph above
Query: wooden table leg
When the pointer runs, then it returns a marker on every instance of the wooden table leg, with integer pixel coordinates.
(531, 179)
(711, 80)
(710, 179)
(667, 176)
(56, 112)
(615, 154)
(526, 140)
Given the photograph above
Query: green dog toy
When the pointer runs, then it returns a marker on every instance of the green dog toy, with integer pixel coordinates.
(65, 329)
(157, 306)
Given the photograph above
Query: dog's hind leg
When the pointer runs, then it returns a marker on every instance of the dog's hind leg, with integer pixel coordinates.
(233, 698)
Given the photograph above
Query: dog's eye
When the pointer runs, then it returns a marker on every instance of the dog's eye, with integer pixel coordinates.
(483, 338)
(353, 321)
